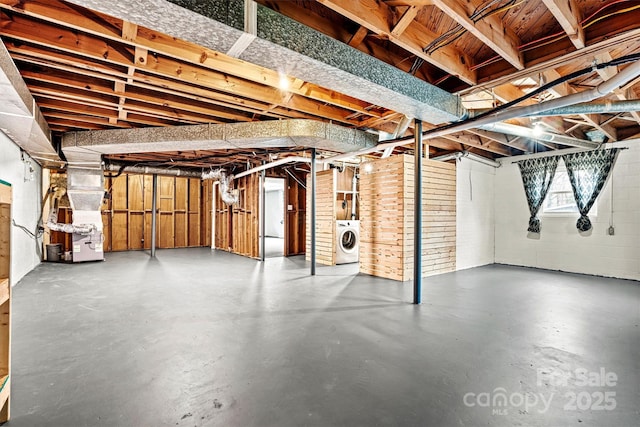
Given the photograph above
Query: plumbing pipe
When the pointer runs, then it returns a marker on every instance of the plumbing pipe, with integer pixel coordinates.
(592, 108)
(509, 129)
(150, 170)
(279, 162)
(354, 189)
(629, 73)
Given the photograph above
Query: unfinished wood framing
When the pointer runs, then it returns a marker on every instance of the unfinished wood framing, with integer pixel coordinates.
(237, 226)
(295, 216)
(325, 218)
(126, 214)
(386, 220)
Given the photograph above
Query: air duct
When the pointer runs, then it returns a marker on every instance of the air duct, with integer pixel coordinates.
(20, 117)
(52, 220)
(592, 108)
(228, 195)
(150, 170)
(276, 42)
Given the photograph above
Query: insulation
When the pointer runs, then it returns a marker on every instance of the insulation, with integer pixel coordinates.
(287, 46)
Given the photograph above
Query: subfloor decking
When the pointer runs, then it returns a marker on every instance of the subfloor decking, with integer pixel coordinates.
(202, 338)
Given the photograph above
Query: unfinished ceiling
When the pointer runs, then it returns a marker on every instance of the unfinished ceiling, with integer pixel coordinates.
(94, 70)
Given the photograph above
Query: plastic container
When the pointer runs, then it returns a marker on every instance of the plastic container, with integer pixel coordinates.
(53, 252)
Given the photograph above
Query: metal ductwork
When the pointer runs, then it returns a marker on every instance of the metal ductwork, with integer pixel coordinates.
(85, 188)
(539, 135)
(228, 195)
(611, 107)
(150, 170)
(20, 117)
(261, 36)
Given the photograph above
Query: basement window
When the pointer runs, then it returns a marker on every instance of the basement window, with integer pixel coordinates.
(560, 200)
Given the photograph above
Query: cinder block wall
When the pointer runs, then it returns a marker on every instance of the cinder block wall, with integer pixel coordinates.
(560, 246)
(475, 211)
(386, 217)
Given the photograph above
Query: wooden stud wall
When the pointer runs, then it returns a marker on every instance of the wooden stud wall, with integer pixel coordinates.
(325, 218)
(295, 219)
(386, 222)
(237, 225)
(182, 213)
(344, 192)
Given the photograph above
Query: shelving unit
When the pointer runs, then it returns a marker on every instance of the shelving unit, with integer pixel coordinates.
(5, 299)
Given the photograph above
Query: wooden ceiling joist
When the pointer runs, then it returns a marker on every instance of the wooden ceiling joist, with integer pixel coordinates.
(377, 16)
(567, 14)
(489, 30)
(112, 29)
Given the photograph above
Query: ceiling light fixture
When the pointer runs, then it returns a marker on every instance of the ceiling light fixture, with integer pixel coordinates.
(284, 82)
(538, 129)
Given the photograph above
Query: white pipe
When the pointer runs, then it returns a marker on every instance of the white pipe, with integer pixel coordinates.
(629, 73)
(283, 161)
(471, 156)
(354, 189)
(542, 135)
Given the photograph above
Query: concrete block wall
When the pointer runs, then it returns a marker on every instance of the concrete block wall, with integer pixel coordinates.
(27, 197)
(560, 246)
(475, 244)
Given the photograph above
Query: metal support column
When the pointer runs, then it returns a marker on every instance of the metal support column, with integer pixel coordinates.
(313, 212)
(417, 213)
(263, 213)
(154, 197)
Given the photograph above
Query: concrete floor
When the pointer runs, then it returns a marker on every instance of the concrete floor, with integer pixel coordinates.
(274, 247)
(201, 338)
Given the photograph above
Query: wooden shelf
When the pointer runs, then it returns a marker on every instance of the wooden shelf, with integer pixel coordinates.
(5, 295)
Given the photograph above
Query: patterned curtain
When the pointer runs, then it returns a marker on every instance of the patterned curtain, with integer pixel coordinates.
(537, 175)
(588, 172)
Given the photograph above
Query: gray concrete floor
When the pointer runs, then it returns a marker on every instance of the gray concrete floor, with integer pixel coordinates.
(201, 338)
(274, 247)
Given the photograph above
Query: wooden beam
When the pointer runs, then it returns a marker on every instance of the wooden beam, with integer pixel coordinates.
(607, 38)
(85, 45)
(358, 37)
(513, 142)
(151, 82)
(407, 17)
(129, 31)
(477, 142)
(567, 13)
(377, 16)
(59, 13)
(490, 30)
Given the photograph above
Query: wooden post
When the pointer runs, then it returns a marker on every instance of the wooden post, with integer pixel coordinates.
(153, 214)
(417, 212)
(313, 212)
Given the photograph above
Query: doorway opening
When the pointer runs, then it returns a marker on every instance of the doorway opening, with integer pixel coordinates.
(274, 227)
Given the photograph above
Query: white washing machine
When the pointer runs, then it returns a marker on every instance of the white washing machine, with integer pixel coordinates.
(347, 241)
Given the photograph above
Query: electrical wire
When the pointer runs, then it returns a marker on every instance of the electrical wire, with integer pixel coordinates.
(618, 61)
(552, 38)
